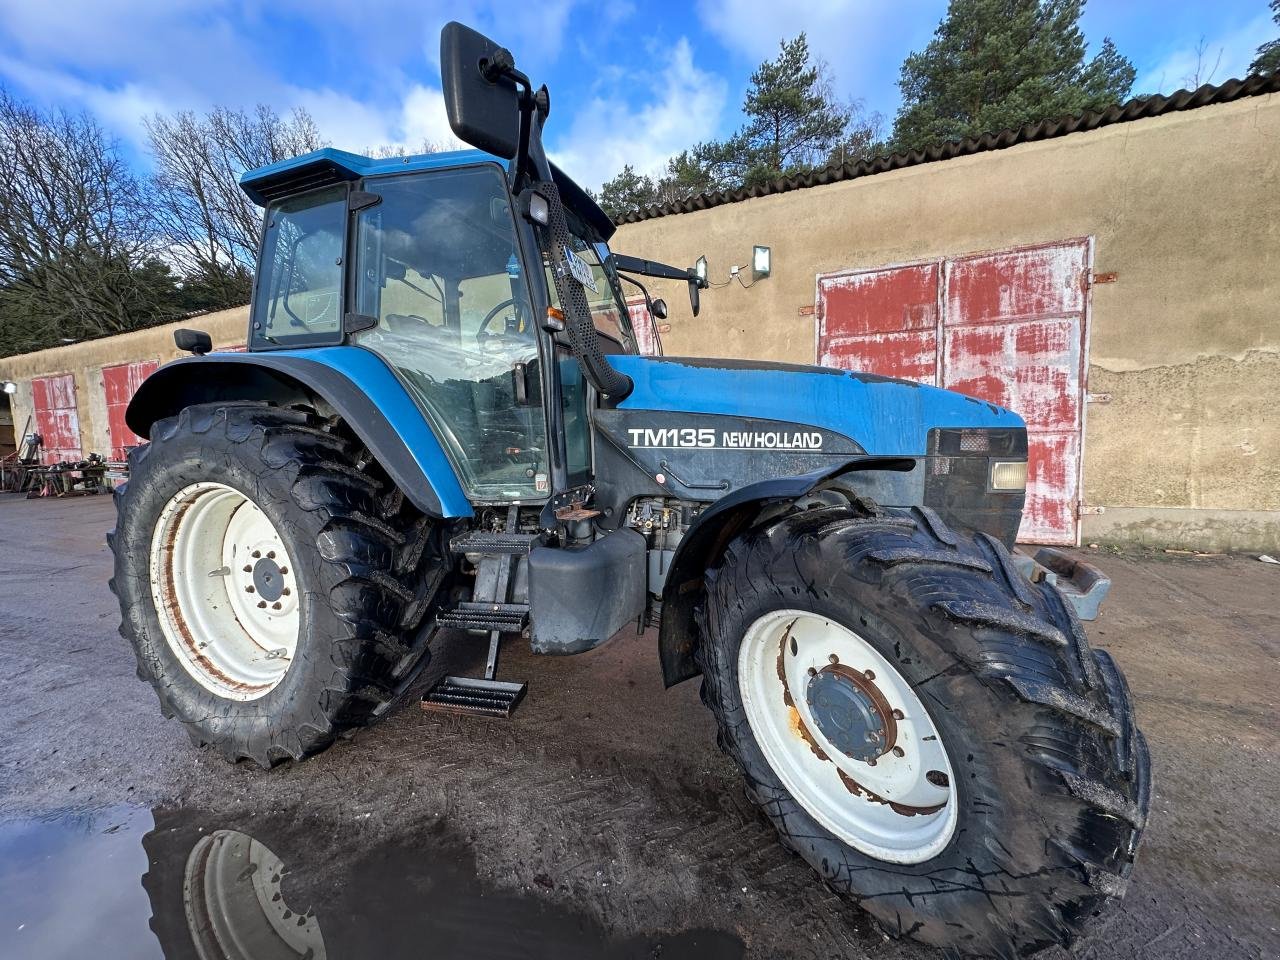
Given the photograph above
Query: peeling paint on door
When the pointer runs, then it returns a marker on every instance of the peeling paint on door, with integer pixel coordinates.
(642, 325)
(881, 321)
(120, 383)
(57, 419)
(1013, 328)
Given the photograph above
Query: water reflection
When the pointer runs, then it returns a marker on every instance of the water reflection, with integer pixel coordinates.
(126, 882)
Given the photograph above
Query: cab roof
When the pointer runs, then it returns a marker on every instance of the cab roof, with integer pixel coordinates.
(327, 166)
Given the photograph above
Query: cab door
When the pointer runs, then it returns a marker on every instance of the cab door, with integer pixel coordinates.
(441, 294)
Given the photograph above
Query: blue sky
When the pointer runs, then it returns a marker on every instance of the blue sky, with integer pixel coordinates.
(630, 81)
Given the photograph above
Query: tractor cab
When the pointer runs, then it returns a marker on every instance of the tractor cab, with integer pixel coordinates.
(425, 262)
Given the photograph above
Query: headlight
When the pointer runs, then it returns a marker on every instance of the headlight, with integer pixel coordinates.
(1008, 474)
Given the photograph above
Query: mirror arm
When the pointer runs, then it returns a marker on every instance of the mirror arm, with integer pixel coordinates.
(652, 268)
(648, 300)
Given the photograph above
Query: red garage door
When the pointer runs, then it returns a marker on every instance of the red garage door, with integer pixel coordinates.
(120, 383)
(642, 325)
(57, 422)
(1013, 329)
(881, 321)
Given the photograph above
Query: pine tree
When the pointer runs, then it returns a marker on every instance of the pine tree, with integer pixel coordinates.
(1268, 58)
(998, 64)
(793, 118)
(794, 122)
(626, 192)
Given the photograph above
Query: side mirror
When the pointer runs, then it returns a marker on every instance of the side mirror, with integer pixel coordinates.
(193, 341)
(659, 309)
(480, 98)
(695, 300)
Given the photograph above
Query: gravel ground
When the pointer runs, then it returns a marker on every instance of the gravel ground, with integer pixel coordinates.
(601, 820)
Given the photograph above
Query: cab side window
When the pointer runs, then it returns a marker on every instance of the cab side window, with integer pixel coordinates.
(298, 300)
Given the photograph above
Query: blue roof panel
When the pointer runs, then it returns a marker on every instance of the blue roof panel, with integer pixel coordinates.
(341, 165)
(327, 166)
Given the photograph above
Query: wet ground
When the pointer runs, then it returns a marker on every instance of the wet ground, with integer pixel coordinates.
(600, 822)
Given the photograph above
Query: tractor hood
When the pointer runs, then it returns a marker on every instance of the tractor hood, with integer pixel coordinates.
(886, 417)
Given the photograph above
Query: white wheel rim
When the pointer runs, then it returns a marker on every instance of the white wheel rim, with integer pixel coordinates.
(902, 807)
(225, 591)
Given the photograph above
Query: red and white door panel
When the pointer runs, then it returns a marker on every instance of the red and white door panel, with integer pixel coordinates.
(56, 418)
(120, 382)
(881, 321)
(1013, 329)
(1014, 335)
(643, 326)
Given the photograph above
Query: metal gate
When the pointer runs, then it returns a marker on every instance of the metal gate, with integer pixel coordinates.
(57, 421)
(1010, 327)
(120, 383)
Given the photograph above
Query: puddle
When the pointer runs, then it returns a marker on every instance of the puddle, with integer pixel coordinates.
(127, 882)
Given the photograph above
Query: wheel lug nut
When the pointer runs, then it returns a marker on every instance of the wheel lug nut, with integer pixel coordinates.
(899, 752)
(249, 589)
(869, 674)
(284, 569)
(271, 554)
(257, 554)
(899, 715)
(285, 591)
(833, 658)
(871, 762)
(262, 604)
(248, 569)
(813, 672)
(276, 605)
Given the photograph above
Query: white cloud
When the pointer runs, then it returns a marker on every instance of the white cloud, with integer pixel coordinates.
(124, 61)
(423, 118)
(608, 132)
(120, 109)
(350, 124)
(1215, 58)
(863, 41)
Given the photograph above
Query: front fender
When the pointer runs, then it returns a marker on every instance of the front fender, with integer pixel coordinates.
(356, 383)
(705, 540)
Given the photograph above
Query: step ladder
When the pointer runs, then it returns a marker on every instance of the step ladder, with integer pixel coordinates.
(490, 610)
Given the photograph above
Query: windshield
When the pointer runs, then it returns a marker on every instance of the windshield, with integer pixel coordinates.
(608, 306)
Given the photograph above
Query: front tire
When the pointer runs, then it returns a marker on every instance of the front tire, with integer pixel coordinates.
(837, 643)
(272, 582)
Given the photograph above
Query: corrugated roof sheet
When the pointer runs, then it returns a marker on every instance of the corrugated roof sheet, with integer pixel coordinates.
(1043, 130)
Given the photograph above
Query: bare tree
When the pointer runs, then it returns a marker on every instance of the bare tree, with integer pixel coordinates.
(392, 151)
(210, 226)
(1202, 73)
(76, 238)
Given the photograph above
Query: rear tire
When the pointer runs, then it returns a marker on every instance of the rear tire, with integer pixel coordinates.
(1047, 771)
(361, 564)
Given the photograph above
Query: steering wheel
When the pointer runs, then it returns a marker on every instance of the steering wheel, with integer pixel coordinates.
(482, 331)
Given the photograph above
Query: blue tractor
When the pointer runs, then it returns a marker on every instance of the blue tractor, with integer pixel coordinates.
(443, 427)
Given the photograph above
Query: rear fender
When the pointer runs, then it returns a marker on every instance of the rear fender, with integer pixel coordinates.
(705, 541)
(356, 383)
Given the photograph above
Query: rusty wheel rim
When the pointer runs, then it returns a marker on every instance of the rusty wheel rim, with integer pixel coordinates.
(847, 735)
(225, 591)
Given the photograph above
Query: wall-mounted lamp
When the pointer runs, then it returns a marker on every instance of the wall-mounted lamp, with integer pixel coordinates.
(10, 387)
(760, 262)
(700, 268)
